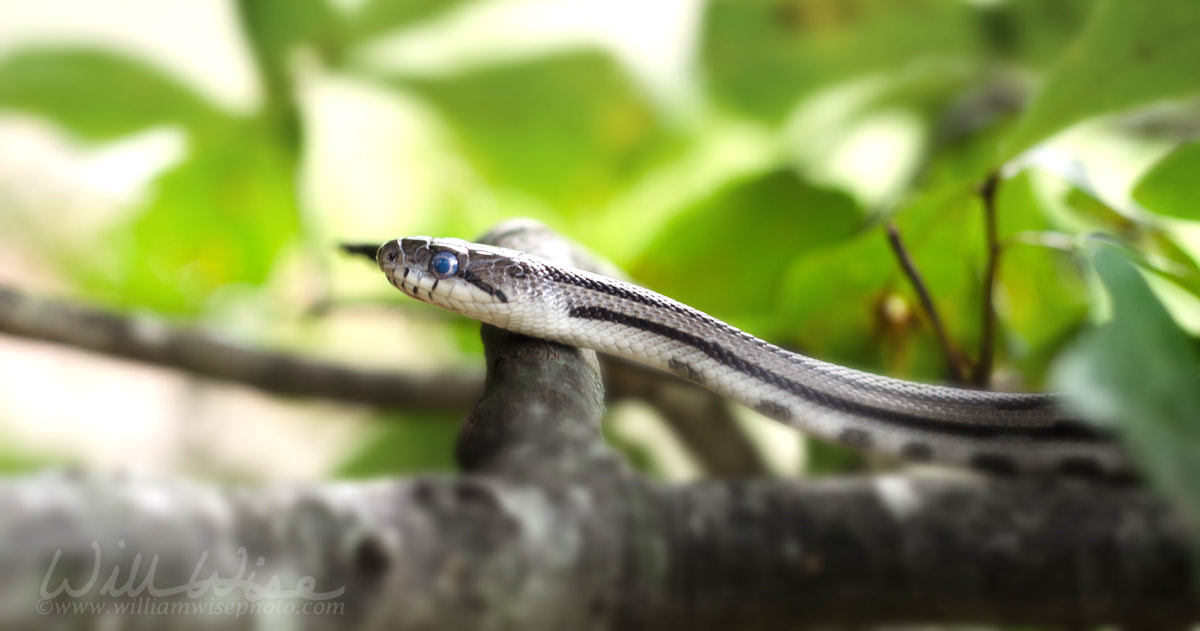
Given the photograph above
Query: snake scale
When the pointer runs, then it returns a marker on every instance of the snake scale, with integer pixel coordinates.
(996, 432)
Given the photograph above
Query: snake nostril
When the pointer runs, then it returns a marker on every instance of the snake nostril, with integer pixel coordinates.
(388, 253)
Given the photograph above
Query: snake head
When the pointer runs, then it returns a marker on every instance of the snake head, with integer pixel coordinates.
(451, 273)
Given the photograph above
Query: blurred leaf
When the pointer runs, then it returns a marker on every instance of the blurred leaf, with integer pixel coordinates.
(1041, 298)
(831, 459)
(1157, 254)
(275, 28)
(1138, 373)
(101, 95)
(1171, 187)
(1032, 32)
(830, 300)
(412, 444)
(1098, 214)
(762, 56)
(377, 17)
(570, 129)
(1128, 54)
(1165, 254)
(727, 254)
(968, 130)
(1151, 246)
(217, 220)
(852, 303)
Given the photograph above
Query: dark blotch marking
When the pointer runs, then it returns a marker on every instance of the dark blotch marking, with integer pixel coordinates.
(855, 438)
(685, 370)
(996, 464)
(435, 284)
(1079, 432)
(919, 452)
(766, 407)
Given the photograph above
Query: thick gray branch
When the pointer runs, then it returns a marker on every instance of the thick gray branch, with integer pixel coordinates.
(599, 549)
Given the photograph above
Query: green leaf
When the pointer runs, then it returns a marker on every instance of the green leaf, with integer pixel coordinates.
(1130, 53)
(1137, 372)
(762, 56)
(412, 444)
(1155, 248)
(377, 17)
(825, 459)
(1032, 33)
(1171, 187)
(1041, 298)
(831, 299)
(101, 95)
(570, 129)
(216, 221)
(275, 29)
(853, 303)
(742, 240)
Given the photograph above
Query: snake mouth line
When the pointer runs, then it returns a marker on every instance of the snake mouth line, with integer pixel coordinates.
(399, 283)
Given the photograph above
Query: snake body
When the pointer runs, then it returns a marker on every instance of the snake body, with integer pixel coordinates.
(992, 431)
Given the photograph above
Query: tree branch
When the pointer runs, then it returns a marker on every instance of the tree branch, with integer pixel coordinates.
(953, 358)
(551, 530)
(155, 342)
(981, 375)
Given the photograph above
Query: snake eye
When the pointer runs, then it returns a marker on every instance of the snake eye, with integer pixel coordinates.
(443, 264)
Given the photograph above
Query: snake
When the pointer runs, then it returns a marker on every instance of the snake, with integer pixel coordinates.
(1000, 433)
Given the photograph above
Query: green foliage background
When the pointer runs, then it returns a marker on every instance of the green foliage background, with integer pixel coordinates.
(729, 205)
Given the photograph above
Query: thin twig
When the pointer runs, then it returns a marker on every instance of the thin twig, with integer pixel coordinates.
(981, 375)
(914, 277)
(160, 343)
